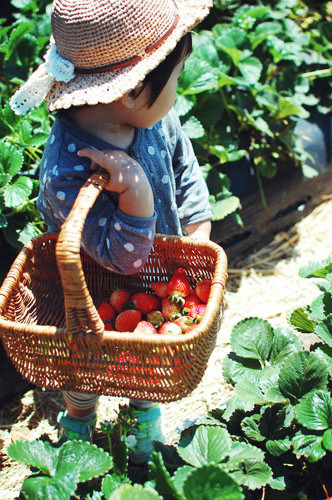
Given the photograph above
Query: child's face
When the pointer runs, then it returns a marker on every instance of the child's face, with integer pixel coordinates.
(144, 116)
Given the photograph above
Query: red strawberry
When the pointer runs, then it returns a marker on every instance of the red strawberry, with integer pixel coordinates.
(106, 311)
(126, 321)
(159, 288)
(202, 290)
(178, 286)
(170, 309)
(155, 317)
(118, 298)
(109, 326)
(170, 328)
(190, 301)
(145, 327)
(184, 322)
(145, 302)
(197, 312)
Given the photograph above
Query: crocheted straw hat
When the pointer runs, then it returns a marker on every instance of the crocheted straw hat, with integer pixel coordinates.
(114, 44)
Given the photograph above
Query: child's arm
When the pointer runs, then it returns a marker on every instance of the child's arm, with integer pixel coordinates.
(200, 230)
(127, 178)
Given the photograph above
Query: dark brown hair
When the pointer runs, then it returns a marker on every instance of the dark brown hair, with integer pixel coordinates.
(159, 76)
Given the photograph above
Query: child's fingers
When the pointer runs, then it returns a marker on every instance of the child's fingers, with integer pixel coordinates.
(97, 157)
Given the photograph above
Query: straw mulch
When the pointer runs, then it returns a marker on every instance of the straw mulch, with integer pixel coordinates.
(266, 284)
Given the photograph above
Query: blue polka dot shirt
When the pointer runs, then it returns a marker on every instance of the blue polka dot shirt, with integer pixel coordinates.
(114, 239)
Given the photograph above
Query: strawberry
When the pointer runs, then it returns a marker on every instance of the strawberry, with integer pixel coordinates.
(106, 311)
(145, 327)
(178, 286)
(197, 312)
(109, 326)
(145, 302)
(170, 309)
(190, 301)
(184, 322)
(202, 290)
(170, 328)
(155, 317)
(118, 298)
(126, 321)
(159, 288)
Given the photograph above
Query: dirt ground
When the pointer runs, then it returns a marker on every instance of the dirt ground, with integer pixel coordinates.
(266, 284)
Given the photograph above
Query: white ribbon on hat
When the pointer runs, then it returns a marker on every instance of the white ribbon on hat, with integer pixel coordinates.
(35, 89)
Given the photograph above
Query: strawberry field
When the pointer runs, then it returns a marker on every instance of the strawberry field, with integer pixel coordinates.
(258, 426)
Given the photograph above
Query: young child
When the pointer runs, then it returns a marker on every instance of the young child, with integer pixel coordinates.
(111, 75)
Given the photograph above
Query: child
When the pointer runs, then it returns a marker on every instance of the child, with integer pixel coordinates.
(111, 75)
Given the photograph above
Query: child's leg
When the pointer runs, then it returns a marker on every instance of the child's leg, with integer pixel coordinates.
(147, 430)
(79, 420)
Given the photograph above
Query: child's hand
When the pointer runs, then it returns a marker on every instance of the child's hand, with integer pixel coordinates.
(127, 178)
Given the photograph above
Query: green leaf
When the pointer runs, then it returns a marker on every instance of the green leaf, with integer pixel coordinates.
(135, 492)
(247, 391)
(210, 482)
(284, 343)
(17, 193)
(263, 31)
(251, 69)
(4, 180)
(198, 76)
(241, 452)
(120, 457)
(209, 444)
(236, 404)
(11, 159)
(62, 486)
(308, 445)
(253, 474)
(193, 128)
(251, 428)
(38, 454)
(15, 36)
(235, 368)
(163, 481)
(315, 411)
(180, 477)
(111, 482)
(183, 104)
(286, 108)
(222, 208)
(277, 447)
(301, 373)
(327, 439)
(91, 460)
(299, 318)
(318, 269)
(252, 338)
(324, 333)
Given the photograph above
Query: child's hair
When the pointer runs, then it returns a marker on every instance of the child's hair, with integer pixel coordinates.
(159, 76)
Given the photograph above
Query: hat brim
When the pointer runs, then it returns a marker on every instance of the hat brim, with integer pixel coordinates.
(109, 86)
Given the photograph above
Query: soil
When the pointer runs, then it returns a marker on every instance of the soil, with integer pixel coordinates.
(265, 284)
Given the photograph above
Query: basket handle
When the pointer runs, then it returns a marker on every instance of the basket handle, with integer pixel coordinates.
(81, 314)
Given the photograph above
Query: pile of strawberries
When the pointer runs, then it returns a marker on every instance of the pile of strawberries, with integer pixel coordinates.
(170, 307)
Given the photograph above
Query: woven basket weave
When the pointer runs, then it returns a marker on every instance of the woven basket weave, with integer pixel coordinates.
(55, 338)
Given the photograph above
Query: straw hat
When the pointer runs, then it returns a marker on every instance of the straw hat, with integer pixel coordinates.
(109, 46)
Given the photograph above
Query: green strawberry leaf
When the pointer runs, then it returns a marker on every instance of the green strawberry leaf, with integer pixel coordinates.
(299, 318)
(277, 447)
(193, 128)
(315, 411)
(210, 482)
(253, 474)
(241, 452)
(222, 208)
(251, 69)
(251, 427)
(111, 482)
(17, 193)
(252, 338)
(62, 486)
(318, 269)
(284, 343)
(208, 444)
(135, 492)
(91, 460)
(235, 368)
(38, 454)
(11, 159)
(163, 482)
(198, 76)
(301, 373)
(327, 439)
(308, 445)
(324, 332)
(180, 476)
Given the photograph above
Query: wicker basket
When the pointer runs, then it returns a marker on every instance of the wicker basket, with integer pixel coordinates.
(55, 338)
